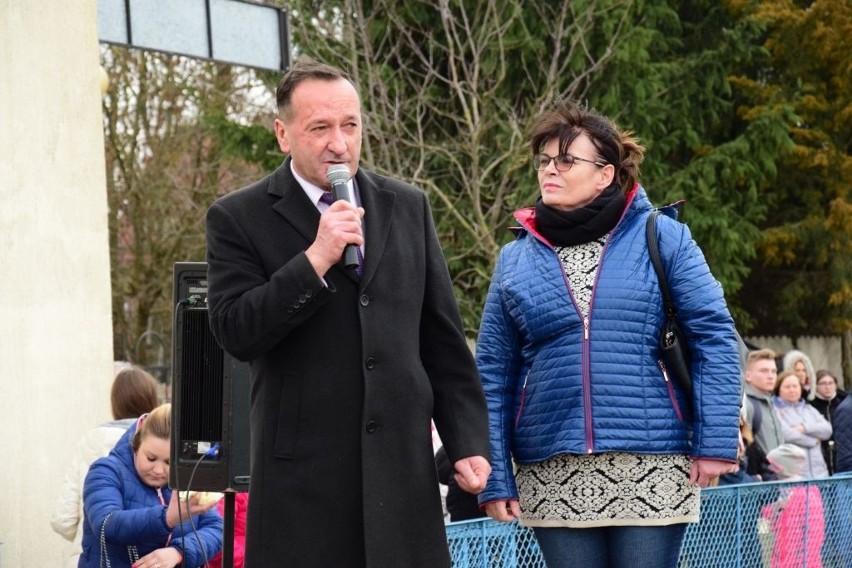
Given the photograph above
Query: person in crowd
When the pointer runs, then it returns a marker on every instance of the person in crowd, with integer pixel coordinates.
(796, 518)
(838, 499)
(349, 366)
(133, 393)
(796, 361)
(240, 509)
(132, 517)
(804, 425)
(827, 397)
(842, 428)
(610, 453)
(745, 454)
(761, 416)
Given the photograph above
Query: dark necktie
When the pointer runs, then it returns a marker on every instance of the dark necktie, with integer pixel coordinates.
(328, 198)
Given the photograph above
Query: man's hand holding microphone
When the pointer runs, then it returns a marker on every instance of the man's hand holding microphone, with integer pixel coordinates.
(339, 229)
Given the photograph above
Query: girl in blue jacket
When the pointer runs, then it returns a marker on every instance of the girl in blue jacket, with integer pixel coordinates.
(132, 518)
(592, 443)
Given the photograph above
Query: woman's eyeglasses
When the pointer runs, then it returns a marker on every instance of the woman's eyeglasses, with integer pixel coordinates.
(563, 162)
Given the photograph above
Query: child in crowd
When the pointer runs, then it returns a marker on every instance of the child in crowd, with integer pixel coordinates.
(132, 517)
(133, 393)
(796, 518)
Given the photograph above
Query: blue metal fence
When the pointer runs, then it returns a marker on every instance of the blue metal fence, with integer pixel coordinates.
(805, 524)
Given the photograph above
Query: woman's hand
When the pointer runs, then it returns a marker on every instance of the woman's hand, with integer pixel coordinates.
(167, 557)
(182, 509)
(503, 511)
(705, 470)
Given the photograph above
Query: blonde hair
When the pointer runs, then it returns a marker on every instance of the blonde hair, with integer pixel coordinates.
(759, 355)
(156, 423)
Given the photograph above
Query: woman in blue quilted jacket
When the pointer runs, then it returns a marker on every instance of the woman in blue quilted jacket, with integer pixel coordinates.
(593, 444)
(132, 518)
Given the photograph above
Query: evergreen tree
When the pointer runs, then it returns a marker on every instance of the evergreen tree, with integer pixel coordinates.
(800, 280)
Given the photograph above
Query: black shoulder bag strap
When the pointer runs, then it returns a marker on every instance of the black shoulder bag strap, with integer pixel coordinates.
(674, 349)
(654, 251)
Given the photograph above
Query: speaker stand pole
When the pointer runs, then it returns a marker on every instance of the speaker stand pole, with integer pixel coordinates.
(228, 537)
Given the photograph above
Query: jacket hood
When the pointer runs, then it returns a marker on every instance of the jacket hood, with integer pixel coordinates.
(123, 451)
(789, 362)
(124, 423)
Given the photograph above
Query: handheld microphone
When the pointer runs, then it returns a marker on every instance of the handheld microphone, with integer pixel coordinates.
(338, 177)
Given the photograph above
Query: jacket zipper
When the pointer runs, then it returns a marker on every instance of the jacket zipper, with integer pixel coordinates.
(587, 385)
(586, 367)
(585, 372)
(586, 362)
(587, 345)
(670, 389)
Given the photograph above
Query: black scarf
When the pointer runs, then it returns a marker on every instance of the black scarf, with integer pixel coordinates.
(583, 225)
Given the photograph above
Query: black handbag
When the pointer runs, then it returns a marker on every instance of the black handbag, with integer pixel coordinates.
(674, 351)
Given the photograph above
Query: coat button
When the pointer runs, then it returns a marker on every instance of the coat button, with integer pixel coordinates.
(372, 427)
(370, 363)
(365, 300)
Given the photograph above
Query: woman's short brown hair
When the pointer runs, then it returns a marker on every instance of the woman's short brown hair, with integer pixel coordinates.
(134, 392)
(781, 378)
(825, 373)
(566, 120)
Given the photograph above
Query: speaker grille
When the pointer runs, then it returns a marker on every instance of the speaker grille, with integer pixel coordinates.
(202, 369)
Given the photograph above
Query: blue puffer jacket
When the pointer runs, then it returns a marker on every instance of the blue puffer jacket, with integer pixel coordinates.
(558, 384)
(137, 516)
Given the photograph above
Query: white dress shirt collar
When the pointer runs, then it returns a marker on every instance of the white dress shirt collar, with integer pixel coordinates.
(314, 192)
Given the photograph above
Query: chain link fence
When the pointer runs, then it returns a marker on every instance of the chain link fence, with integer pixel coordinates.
(804, 524)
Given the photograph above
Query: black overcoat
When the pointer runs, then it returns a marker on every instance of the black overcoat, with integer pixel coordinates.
(346, 375)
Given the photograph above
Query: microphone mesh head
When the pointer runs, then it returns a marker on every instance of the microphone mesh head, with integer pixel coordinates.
(338, 173)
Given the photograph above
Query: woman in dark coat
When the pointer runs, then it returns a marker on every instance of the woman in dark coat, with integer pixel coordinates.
(826, 398)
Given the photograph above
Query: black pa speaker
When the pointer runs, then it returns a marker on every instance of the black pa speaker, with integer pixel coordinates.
(210, 396)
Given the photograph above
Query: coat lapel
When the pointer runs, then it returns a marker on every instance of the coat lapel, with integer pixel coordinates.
(293, 204)
(378, 204)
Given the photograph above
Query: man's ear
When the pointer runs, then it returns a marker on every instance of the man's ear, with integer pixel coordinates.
(281, 136)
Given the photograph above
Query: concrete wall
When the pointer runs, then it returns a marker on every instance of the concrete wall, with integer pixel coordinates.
(55, 327)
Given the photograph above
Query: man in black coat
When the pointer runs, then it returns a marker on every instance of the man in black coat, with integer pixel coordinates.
(347, 370)
(842, 423)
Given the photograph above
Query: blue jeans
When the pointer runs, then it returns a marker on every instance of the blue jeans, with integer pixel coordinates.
(611, 547)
